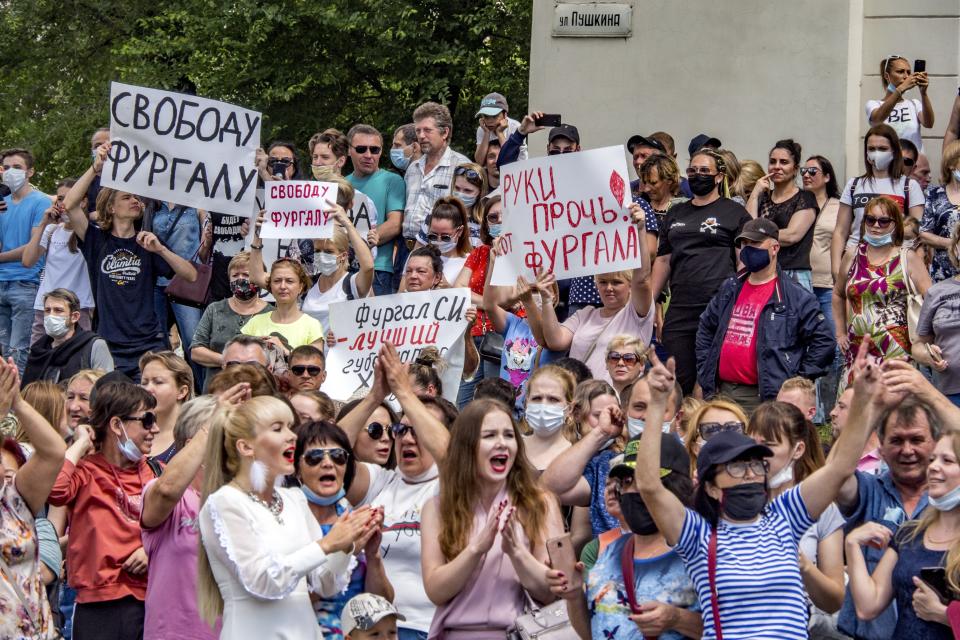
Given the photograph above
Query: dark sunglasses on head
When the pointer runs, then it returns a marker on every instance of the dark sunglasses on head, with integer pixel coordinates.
(148, 419)
(710, 429)
(312, 369)
(375, 430)
(363, 148)
(468, 173)
(811, 171)
(628, 358)
(908, 162)
(873, 221)
(337, 456)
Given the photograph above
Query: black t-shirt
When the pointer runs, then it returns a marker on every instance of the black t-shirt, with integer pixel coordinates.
(700, 243)
(123, 275)
(796, 256)
(227, 242)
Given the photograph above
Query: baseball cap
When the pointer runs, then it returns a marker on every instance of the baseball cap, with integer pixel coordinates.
(758, 230)
(492, 104)
(702, 140)
(364, 611)
(567, 131)
(639, 140)
(727, 446)
(673, 458)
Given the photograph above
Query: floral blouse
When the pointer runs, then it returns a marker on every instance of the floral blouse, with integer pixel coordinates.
(940, 216)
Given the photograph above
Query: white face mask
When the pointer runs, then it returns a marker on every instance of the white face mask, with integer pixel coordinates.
(544, 418)
(326, 263)
(14, 178)
(782, 477)
(956, 174)
(635, 426)
(445, 247)
(880, 159)
(55, 326)
(947, 502)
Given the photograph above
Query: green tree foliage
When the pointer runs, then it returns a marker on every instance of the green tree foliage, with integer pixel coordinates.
(306, 64)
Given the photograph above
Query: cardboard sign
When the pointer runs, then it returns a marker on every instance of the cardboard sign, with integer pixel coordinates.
(567, 213)
(298, 209)
(410, 321)
(183, 149)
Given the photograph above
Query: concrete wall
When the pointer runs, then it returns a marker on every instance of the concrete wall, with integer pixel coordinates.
(746, 71)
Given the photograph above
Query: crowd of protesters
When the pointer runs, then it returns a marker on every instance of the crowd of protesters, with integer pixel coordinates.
(175, 471)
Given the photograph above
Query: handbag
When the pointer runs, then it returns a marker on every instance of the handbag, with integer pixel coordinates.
(914, 299)
(491, 347)
(550, 622)
(196, 293)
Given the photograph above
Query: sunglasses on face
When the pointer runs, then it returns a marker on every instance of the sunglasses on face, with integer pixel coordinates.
(312, 369)
(363, 148)
(703, 171)
(553, 151)
(375, 429)
(442, 237)
(273, 163)
(738, 469)
(400, 430)
(710, 429)
(148, 419)
(809, 171)
(874, 221)
(337, 456)
(908, 162)
(495, 218)
(469, 174)
(629, 359)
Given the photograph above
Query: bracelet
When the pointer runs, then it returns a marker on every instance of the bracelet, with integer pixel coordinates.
(256, 247)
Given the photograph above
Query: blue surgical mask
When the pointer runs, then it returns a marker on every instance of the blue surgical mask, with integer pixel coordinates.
(879, 241)
(468, 201)
(320, 500)
(399, 159)
(891, 87)
(128, 449)
(947, 502)
(496, 229)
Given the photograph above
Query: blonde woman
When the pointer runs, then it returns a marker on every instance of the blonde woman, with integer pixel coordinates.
(169, 379)
(262, 546)
(469, 186)
(286, 327)
(625, 360)
(549, 415)
(709, 419)
(750, 172)
(79, 387)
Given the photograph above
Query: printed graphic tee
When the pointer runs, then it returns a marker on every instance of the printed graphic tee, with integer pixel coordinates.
(738, 355)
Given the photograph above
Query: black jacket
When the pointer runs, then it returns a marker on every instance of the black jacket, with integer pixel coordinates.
(55, 364)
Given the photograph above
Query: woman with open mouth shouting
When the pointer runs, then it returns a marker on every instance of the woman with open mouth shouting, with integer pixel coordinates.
(262, 546)
(489, 545)
(326, 467)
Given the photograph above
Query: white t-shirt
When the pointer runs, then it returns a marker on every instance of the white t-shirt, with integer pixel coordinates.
(400, 547)
(452, 266)
(317, 304)
(905, 119)
(867, 189)
(512, 125)
(63, 269)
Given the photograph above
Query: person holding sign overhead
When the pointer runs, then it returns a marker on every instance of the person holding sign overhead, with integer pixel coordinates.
(124, 267)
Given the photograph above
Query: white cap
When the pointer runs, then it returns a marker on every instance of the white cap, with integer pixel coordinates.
(364, 611)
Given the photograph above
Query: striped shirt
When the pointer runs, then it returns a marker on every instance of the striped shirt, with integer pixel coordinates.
(759, 588)
(424, 190)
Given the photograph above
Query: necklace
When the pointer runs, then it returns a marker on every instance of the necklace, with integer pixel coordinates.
(275, 507)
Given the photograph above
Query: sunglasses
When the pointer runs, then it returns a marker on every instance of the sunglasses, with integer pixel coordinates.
(400, 430)
(442, 237)
(555, 152)
(629, 359)
(874, 221)
(703, 171)
(908, 162)
(363, 148)
(337, 456)
(147, 420)
(279, 162)
(710, 429)
(738, 469)
(469, 174)
(375, 429)
(312, 369)
(809, 171)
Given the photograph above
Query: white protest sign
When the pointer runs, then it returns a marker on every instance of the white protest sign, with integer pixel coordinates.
(182, 149)
(364, 216)
(410, 321)
(567, 213)
(298, 209)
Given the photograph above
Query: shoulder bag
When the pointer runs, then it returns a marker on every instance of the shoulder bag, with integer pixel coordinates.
(549, 622)
(914, 299)
(182, 291)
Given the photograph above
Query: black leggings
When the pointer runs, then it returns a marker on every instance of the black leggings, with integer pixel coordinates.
(680, 341)
(111, 620)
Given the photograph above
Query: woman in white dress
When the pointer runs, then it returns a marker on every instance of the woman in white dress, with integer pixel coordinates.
(263, 551)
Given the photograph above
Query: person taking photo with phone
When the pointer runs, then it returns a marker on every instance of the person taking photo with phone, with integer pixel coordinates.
(905, 116)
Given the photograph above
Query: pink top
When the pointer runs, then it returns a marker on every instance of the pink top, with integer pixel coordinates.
(492, 598)
(592, 332)
(871, 462)
(171, 605)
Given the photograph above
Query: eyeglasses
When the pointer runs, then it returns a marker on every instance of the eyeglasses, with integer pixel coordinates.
(908, 162)
(629, 359)
(809, 171)
(364, 148)
(443, 237)
(375, 429)
(495, 218)
(710, 429)
(703, 171)
(337, 455)
(468, 173)
(399, 430)
(312, 369)
(874, 221)
(738, 469)
(554, 151)
(273, 163)
(148, 419)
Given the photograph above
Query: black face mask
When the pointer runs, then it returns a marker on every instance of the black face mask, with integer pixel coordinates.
(701, 185)
(243, 289)
(744, 501)
(637, 515)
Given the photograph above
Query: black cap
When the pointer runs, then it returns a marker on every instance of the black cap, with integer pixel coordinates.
(727, 446)
(673, 457)
(702, 140)
(758, 230)
(639, 140)
(567, 131)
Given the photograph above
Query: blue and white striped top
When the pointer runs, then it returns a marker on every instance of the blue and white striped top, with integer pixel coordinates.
(759, 586)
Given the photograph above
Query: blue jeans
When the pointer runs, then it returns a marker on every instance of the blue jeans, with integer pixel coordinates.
(187, 319)
(410, 634)
(399, 262)
(16, 319)
(954, 398)
(825, 298)
(803, 277)
(383, 283)
(485, 370)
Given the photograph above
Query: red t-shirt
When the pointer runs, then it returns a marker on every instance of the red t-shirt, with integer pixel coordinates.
(738, 355)
(477, 262)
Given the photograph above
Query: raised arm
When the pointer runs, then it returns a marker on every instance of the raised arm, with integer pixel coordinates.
(164, 494)
(556, 336)
(667, 510)
(74, 198)
(641, 290)
(364, 277)
(564, 476)
(33, 250)
(257, 274)
(431, 433)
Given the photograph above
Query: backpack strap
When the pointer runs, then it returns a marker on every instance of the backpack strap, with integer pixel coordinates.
(347, 286)
(712, 577)
(155, 467)
(626, 568)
